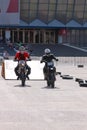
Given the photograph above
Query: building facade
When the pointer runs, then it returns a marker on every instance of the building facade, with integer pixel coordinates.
(50, 21)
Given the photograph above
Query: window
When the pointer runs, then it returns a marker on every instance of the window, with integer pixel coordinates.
(43, 1)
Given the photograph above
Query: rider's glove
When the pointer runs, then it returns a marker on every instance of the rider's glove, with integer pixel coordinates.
(14, 59)
(56, 59)
(29, 59)
(41, 61)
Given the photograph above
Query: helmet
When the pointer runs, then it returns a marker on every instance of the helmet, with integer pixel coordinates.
(21, 48)
(47, 51)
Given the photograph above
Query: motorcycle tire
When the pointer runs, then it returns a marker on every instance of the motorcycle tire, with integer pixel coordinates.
(23, 82)
(48, 83)
(52, 85)
(23, 79)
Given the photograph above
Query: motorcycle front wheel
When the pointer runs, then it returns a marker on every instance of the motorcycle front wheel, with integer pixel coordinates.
(23, 82)
(48, 83)
(23, 79)
(52, 84)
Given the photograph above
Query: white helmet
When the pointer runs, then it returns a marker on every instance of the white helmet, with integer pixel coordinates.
(47, 51)
(21, 48)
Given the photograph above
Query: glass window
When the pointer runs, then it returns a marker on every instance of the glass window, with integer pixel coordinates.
(33, 1)
(52, 1)
(69, 15)
(62, 1)
(42, 15)
(86, 7)
(69, 7)
(51, 15)
(60, 15)
(43, 7)
(24, 1)
(25, 6)
(86, 1)
(52, 7)
(79, 1)
(70, 1)
(33, 13)
(61, 7)
(24, 12)
(85, 16)
(79, 14)
(79, 11)
(69, 10)
(79, 8)
(43, 1)
(43, 12)
(33, 6)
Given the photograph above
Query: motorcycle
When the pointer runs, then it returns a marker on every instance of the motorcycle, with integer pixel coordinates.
(50, 74)
(22, 71)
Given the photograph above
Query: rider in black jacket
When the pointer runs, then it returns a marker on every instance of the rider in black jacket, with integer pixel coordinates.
(47, 57)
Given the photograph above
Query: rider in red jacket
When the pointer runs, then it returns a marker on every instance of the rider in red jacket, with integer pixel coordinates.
(22, 55)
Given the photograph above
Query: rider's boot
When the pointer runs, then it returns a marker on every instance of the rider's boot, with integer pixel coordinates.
(27, 77)
(55, 74)
(55, 79)
(18, 76)
(45, 76)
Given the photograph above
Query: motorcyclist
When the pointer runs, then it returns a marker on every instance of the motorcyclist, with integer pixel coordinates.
(47, 57)
(22, 55)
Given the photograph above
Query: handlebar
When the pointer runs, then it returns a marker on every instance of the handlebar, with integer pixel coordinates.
(23, 60)
(57, 59)
(48, 61)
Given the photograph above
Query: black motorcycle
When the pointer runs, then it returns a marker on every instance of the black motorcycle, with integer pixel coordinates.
(50, 74)
(22, 71)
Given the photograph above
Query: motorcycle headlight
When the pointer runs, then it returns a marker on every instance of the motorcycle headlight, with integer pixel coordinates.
(21, 63)
(51, 68)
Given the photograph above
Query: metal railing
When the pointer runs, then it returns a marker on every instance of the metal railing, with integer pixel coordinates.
(68, 60)
(64, 60)
(73, 60)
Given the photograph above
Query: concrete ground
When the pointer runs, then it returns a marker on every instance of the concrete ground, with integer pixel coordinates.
(36, 107)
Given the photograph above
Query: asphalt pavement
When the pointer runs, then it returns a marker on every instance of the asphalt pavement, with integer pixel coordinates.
(63, 50)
